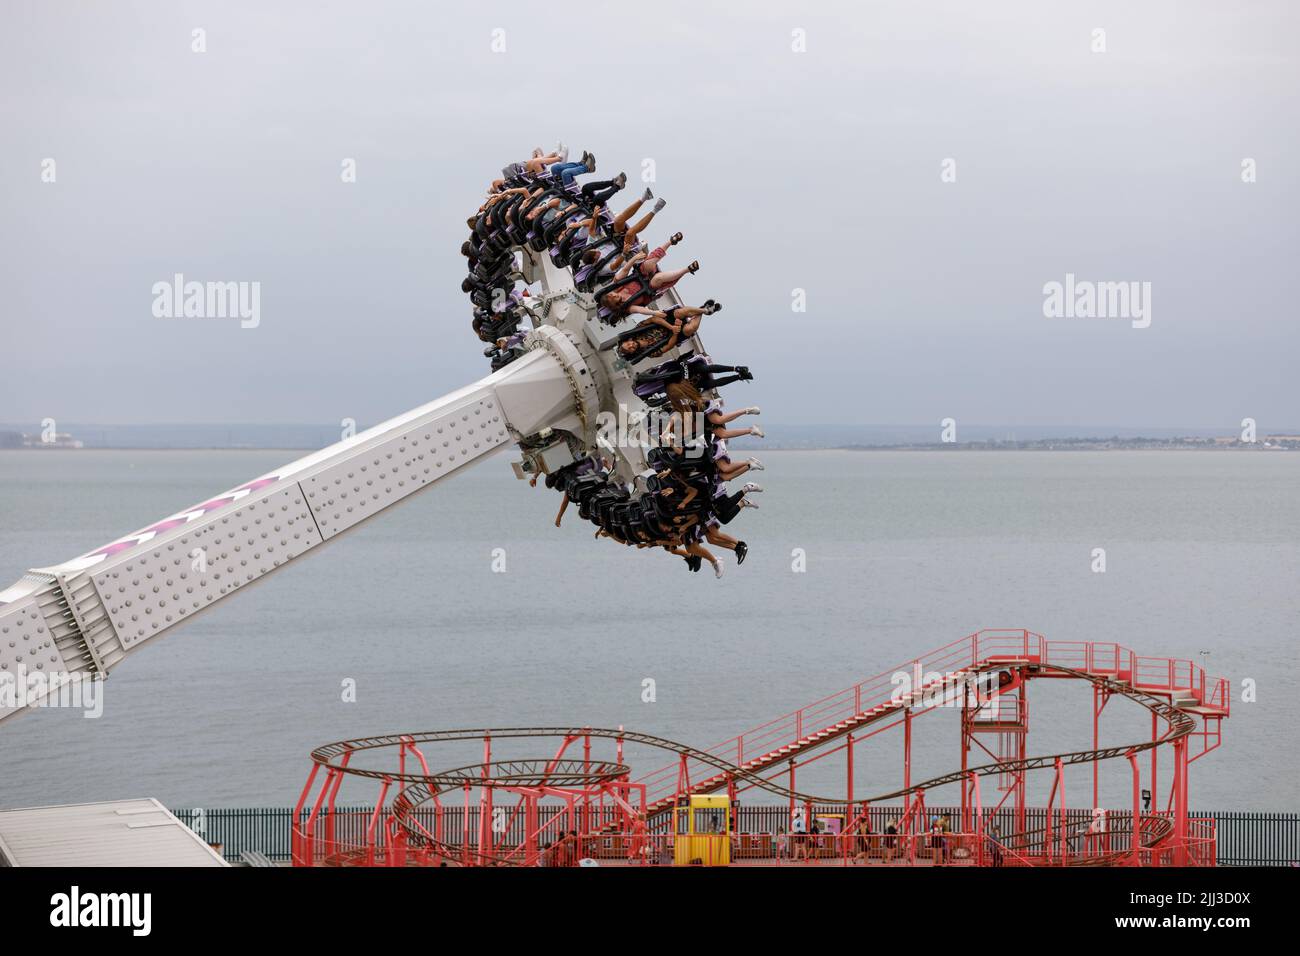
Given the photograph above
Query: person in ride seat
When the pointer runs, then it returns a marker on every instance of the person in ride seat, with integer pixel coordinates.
(662, 330)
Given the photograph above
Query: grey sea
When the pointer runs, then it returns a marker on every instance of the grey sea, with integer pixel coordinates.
(904, 552)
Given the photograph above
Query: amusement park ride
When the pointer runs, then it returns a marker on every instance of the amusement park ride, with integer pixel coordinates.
(80, 619)
(601, 811)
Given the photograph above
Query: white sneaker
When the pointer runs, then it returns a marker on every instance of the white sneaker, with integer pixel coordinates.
(752, 487)
(755, 464)
(753, 410)
(717, 570)
(562, 151)
(746, 503)
(756, 431)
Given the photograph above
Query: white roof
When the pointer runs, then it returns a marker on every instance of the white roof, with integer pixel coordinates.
(114, 833)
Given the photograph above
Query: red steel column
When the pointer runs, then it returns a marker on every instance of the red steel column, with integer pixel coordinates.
(1155, 780)
(464, 847)
(849, 751)
(1096, 730)
(586, 771)
(485, 801)
(907, 760)
(1137, 809)
(1180, 801)
(965, 759)
(1021, 752)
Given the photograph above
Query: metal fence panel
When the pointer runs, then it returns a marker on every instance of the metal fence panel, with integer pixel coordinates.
(1245, 837)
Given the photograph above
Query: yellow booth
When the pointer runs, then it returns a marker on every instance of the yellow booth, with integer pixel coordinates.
(703, 836)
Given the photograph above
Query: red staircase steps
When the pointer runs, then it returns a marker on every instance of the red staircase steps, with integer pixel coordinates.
(1184, 683)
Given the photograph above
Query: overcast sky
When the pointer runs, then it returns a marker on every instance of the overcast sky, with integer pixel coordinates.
(817, 170)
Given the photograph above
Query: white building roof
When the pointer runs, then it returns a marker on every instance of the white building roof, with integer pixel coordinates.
(114, 833)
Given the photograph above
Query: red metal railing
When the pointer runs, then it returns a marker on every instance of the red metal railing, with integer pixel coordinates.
(782, 737)
(1067, 843)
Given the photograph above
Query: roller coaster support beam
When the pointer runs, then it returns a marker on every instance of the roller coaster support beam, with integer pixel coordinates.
(965, 758)
(485, 800)
(1136, 838)
(586, 768)
(849, 771)
(305, 850)
(1155, 779)
(1065, 820)
(1058, 786)
(907, 761)
(334, 792)
(374, 818)
(1097, 705)
(1180, 801)
(1022, 752)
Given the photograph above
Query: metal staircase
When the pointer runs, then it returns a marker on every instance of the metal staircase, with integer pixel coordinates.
(937, 678)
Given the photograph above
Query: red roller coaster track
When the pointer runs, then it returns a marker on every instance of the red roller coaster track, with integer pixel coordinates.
(1185, 705)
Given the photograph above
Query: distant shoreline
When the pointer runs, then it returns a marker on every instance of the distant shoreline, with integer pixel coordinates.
(1287, 443)
(84, 436)
(973, 446)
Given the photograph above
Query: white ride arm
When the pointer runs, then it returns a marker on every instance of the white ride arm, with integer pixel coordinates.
(79, 619)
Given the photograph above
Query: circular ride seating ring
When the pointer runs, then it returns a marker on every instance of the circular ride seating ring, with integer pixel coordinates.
(644, 455)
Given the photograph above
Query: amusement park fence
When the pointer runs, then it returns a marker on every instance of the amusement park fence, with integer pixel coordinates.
(1245, 837)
